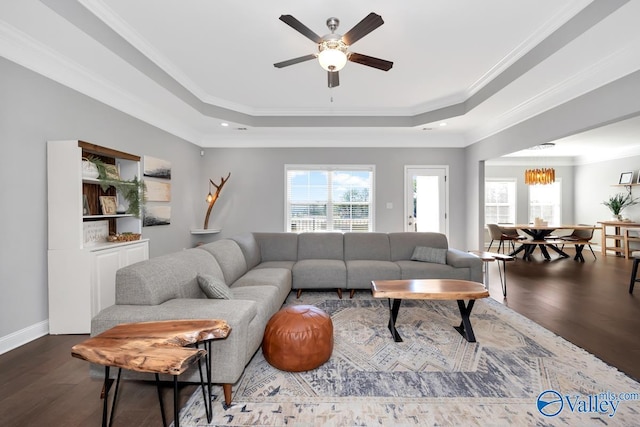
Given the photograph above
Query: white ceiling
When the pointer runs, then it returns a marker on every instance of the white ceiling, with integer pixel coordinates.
(188, 66)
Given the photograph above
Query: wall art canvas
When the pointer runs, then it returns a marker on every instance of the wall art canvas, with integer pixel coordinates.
(157, 168)
(157, 191)
(94, 232)
(157, 215)
(109, 205)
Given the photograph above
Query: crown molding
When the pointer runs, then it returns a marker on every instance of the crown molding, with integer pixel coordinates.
(619, 63)
(22, 49)
(545, 30)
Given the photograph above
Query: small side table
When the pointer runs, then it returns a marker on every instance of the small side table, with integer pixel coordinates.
(488, 257)
(155, 347)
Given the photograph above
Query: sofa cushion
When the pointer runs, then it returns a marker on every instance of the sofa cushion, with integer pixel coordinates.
(249, 248)
(229, 257)
(319, 274)
(213, 287)
(371, 246)
(320, 246)
(265, 276)
(427, 254)
(360, 273)
(403, 244)
(277, 246)
(277, 277)
(267, 300)
(276, 264)
(165, 277)
(425, 270)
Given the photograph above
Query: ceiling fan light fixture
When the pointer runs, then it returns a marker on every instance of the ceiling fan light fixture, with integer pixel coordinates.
(333, 55)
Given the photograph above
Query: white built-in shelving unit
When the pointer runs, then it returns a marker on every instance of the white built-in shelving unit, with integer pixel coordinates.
(82, 264)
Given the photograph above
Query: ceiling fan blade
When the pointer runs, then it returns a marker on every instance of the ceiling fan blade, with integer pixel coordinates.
(295, 60)
(370, 61)
(334, 78)
(362, 28)
(301, 28)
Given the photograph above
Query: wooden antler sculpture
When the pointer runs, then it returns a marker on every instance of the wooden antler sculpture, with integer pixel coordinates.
(211, 198)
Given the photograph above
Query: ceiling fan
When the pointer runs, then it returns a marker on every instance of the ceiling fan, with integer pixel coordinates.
(333, 48)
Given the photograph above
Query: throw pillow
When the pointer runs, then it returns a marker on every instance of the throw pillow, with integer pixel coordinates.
(427, 254)
(213, 287)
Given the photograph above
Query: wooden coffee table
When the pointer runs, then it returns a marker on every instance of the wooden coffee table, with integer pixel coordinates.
(433, 289)
(155, 347)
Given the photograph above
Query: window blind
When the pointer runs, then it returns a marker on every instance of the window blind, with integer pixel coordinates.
(329, 198)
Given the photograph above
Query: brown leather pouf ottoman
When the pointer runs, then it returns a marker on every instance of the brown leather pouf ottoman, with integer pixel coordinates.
(298, 338)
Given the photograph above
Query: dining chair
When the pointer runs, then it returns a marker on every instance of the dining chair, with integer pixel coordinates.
(580, 237)
(503, 234)
(634, 273)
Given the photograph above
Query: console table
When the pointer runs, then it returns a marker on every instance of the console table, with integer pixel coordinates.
(619, 239)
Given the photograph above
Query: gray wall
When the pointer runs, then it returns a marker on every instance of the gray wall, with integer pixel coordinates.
(253, 199)
(596, 182)
(33, 110)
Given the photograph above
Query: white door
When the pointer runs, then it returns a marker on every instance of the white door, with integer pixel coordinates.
(426, 198)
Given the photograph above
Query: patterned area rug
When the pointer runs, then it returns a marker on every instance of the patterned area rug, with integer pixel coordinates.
(517, 373)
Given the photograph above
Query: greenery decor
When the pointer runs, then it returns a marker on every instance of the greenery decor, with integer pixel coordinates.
(133, 190)
(618, 202)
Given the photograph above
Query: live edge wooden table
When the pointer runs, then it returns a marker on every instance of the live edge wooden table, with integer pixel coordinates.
(432, 289)
(156, 347)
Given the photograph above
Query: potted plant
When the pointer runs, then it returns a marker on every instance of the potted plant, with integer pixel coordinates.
(617, 203)
(131, 190)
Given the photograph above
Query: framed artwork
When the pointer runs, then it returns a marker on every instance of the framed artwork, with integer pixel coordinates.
(157, 191)
(94, 232)
(85, 206)
(626, 178)
(111, 172)
(157, 168)
(109, 205)
(157, 215)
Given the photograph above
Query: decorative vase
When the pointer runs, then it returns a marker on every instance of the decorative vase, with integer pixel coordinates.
(89, 169)
(616, 217)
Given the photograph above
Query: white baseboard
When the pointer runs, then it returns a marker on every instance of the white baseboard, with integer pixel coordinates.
(23, 336)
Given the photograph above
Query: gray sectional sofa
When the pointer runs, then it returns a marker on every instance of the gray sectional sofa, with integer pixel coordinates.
(261, 269)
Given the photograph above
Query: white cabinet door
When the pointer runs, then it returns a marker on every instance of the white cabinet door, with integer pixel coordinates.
(106, 263)
(135, 253)
(103, 289)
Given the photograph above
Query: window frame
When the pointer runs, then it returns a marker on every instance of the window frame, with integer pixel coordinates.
(329, 168)
(557, 182)
(514, 202)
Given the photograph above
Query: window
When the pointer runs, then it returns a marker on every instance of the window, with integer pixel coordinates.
(544, 202)
(329, 198)
(500, 201)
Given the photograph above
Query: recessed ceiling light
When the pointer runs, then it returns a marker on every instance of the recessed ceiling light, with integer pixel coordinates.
(443, 124)
(224, 124)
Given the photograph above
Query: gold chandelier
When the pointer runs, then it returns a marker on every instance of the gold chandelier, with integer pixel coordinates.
(539, 176)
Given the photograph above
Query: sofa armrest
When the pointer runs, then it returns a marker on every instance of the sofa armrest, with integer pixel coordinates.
(230, 354)
(460, 259)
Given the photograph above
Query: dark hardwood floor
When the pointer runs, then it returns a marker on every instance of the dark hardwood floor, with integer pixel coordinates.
(586, 303)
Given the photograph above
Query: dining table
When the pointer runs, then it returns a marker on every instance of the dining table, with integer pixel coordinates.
(541, 236)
